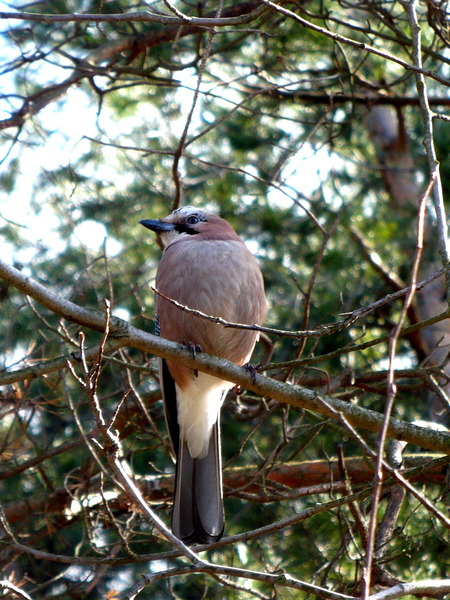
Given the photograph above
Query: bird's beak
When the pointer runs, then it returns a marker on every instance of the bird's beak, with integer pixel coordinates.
(157, 225)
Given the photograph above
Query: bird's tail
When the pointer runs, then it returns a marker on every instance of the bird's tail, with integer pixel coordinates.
(197, 515)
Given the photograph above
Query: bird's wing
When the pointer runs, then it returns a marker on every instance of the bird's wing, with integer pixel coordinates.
(169, 394)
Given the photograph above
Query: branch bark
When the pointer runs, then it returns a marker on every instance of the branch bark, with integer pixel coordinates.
(123, 334)
(239, 14)
(416, 588)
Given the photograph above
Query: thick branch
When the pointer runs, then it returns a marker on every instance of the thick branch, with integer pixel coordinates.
(426, 587)
(127, 335)
(240, 14)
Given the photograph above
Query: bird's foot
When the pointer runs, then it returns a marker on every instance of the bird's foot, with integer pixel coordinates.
(193, 349)
(251, 370)
(238, 390)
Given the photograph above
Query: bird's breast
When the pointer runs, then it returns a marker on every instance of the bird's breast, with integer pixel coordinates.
(220, 278)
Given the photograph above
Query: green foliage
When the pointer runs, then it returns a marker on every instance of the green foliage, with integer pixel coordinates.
(271, 146)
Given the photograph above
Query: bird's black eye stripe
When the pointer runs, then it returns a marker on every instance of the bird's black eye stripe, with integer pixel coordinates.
(187, 227)
(182, 228)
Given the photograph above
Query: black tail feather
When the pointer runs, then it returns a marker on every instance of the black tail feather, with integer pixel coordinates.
(197, 515)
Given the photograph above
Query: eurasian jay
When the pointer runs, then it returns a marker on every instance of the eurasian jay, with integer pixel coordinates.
(207, 267)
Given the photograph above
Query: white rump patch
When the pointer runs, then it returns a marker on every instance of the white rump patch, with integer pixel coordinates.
(198, 409)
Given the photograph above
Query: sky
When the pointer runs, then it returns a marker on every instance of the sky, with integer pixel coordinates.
(72, 120)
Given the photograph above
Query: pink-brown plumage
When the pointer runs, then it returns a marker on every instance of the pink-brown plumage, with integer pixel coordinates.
(218, 278)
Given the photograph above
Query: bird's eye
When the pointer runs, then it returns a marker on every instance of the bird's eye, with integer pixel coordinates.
(193, 220)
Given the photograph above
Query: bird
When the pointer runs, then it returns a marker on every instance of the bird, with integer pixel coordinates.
(205, 266)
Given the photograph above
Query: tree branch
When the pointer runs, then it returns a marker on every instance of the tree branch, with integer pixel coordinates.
(239, 14)
(416, 588)
(427, 119)
(275, 579)
(125, 334)
(354, 43)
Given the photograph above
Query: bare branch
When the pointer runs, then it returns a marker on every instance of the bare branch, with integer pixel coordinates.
(327, 328)
(250, 10)
(355, 44)
(14, 590)
(414, 588)
(427, 118)
(392, 392)
(127, 335)
(279, 579)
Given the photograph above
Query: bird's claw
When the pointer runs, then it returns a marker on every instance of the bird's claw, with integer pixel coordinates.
(251, 370)
(238, 390)
(193, 349)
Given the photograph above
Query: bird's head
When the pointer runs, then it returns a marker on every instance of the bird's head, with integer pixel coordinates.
(189, 222)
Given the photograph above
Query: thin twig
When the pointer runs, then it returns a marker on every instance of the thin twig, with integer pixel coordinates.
(354, 43)
(182, 141)
(391, 395)
(426, 587)
(427, 118)
(326, 329)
